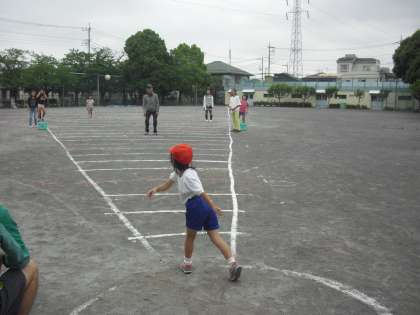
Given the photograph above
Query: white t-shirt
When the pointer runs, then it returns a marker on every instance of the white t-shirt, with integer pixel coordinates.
(233, 102)
(189, 184)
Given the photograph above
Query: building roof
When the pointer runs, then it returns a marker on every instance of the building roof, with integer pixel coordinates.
(219, 67)
(354, 59)
(284, 77)
(321, 76)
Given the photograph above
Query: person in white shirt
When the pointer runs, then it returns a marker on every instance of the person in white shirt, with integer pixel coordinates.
(201, 211)
(208, 104)
(89, 105)
(234, 105)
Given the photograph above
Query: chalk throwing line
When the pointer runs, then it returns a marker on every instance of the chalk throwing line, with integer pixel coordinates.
(107, 199)
(332, 284)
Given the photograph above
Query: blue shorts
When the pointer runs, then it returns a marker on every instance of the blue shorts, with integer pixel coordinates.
(200, 215)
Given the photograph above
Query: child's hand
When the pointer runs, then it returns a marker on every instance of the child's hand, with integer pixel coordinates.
(151, 193)
(218, 211)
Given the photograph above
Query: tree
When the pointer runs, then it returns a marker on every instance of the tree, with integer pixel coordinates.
(305, 92)
(189, 69)
(359, 94)
(415, 89)
(148, 62)
(407, 59)
(280, 90)
(12, 63)
(331, 92)
(41, 73)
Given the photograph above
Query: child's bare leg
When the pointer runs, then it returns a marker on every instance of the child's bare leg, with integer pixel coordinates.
(189, 243)
(220, 243)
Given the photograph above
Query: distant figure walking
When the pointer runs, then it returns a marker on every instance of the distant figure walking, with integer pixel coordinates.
(90, 102)
(33, 109)
(208, 104)
(42, 104)
(150, 108)
(234, 105)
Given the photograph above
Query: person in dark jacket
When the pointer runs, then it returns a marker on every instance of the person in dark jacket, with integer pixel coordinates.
(42, 104)
(33, 109)
(150, 108)
(19, 284)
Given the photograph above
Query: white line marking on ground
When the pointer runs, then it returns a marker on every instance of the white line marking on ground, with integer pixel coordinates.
(148, 168)
(142, 139)
(166, 161)
(139, 153)
(88, 303)
(170, 194)
(170, 235)
(131, 148)
(234, 224)
(159, 211)
(108, 200)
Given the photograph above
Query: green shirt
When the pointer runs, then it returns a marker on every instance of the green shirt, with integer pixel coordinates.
(16, 253)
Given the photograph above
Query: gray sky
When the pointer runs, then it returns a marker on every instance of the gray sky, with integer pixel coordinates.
(333, 29)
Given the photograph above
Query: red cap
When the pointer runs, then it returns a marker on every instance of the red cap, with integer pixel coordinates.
(182, 153)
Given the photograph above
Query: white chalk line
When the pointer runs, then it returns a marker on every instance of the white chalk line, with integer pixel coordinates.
(340, 287)
(141, 153)
(148, 168)
(133, 161)
(170, 195)
(146, 146)
(108, 200)
(150, 139)
(102, 148)
(88, 303)
(125, 135)
(234, 224)
(153, 236)
(160, 212)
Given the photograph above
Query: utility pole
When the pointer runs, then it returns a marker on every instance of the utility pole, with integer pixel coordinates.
(295, 56)
(271, 50)
(262, 68)
(89, 39)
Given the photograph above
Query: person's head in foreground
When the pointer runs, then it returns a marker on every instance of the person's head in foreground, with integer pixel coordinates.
(232, 92)
(90, 97)
(181, 156)
(149, 89)
(208, 92)
(244, 97)
(33, 93)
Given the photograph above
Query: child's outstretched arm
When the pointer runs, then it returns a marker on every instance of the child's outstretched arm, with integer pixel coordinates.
(211, 203)
(162, 187)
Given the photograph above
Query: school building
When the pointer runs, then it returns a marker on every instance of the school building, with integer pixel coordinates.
(381, 89)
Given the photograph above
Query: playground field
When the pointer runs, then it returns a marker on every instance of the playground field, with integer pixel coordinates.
(322, 208)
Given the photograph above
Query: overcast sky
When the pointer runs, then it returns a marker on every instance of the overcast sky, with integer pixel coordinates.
(333, 29)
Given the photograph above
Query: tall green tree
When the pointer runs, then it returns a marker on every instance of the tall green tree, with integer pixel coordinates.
(305, 92)
(415, 89)
(189, 69)
(359, 94)
(148, 62)
(331, 92)
(407, 59)
(12, 64)
(280, 90)
(41, 73)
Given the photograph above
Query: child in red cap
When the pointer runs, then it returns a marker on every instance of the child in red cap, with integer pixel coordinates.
(201, 210)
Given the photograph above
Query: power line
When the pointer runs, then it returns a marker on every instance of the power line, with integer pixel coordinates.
(41, 35)
(39, 24)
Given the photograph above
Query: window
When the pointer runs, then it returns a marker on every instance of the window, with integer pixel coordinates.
(405, 98)
(268, 95)
(342, 97)
(366, 68)
(344, 68)
(362, 80)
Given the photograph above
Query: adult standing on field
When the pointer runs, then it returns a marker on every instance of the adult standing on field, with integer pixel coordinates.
(150, 108)
(19, 284)
(234, 105)
(33, 109)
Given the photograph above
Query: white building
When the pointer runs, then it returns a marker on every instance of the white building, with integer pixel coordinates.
(350, 67)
